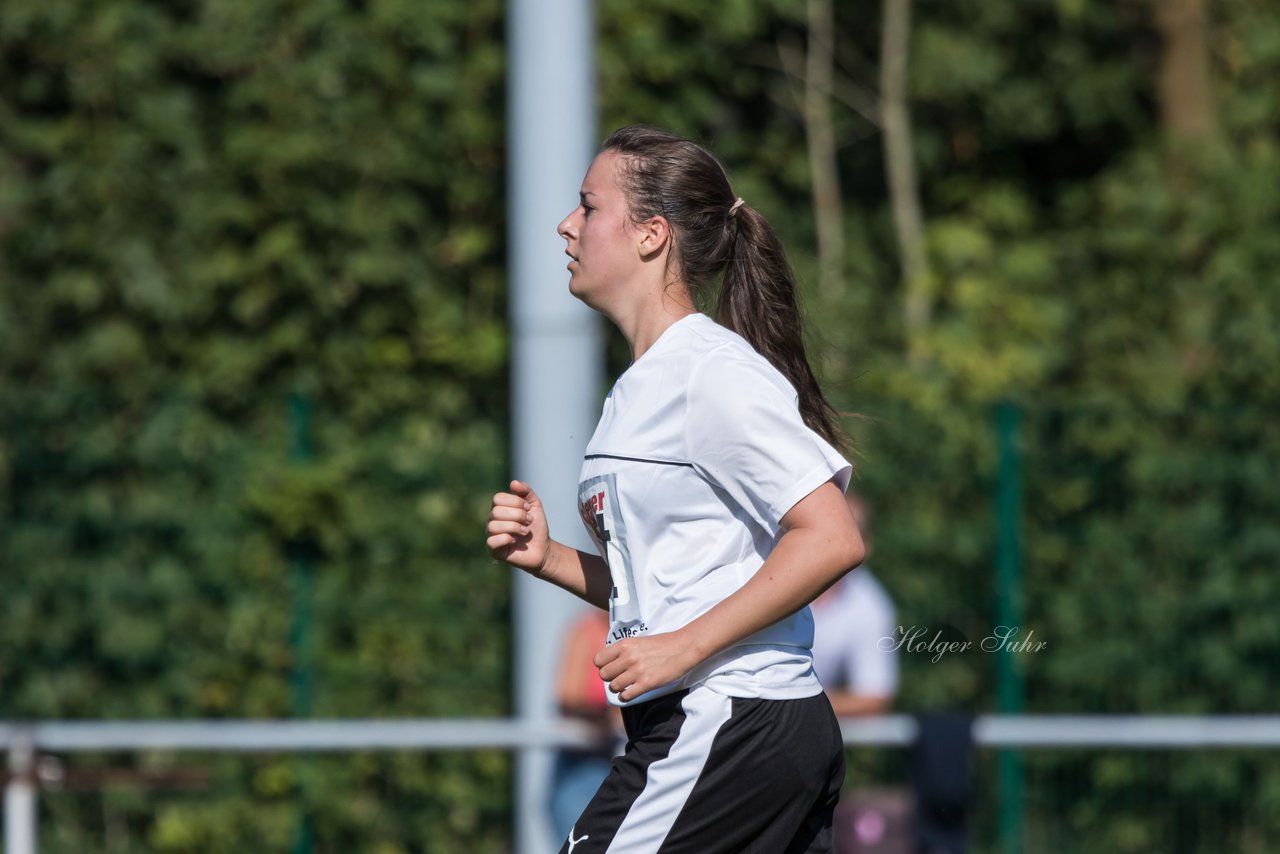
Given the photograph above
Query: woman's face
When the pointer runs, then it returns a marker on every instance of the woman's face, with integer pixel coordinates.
(602, 241)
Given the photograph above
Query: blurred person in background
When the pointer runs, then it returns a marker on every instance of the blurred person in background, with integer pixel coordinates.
(578, 772)
(714, 491)
(859, 671)
(851, 621)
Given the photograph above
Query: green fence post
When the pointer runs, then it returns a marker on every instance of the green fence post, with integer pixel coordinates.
(301, 571)
(1010, 687)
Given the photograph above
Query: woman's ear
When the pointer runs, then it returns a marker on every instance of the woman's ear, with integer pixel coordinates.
(655, 235)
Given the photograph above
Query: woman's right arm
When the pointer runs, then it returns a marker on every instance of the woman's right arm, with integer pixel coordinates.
(518, 535)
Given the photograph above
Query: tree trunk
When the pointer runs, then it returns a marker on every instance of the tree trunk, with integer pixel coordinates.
(828, 212)
(1183, 86)
(901, 173)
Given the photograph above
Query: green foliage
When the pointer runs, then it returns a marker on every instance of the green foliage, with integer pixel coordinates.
(206, 209)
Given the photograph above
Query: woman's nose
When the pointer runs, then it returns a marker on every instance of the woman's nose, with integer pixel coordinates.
(565, 228)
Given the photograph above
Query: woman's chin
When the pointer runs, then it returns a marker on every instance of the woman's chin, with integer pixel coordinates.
(577, 290)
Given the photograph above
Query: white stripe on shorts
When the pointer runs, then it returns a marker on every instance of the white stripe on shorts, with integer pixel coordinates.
(670, 780)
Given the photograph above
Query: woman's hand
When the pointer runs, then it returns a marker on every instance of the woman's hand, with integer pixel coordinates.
(518, 535)
(517, 529)
(634, 666)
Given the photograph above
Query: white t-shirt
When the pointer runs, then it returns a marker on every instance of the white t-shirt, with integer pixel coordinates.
(855, 628)
(699, 453)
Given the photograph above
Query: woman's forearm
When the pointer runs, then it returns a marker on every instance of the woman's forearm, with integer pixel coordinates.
(805, 562)
(583, 574)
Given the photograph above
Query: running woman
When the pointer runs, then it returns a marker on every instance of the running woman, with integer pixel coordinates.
(714, 492)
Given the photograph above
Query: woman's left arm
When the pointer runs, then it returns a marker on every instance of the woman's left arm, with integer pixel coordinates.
(819, 543)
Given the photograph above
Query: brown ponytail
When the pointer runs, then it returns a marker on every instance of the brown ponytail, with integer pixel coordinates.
(758, 301)
(669, 176)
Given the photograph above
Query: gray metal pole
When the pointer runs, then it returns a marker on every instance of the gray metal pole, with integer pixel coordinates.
(557, 348)
(20, 795)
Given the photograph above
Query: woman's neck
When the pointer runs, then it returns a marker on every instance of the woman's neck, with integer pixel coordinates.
(653, 317)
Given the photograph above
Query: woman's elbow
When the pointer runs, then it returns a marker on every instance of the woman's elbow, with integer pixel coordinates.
(847, 551)
(854, 553)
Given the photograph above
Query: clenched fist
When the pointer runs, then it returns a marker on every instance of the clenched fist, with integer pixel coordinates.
(517, 531)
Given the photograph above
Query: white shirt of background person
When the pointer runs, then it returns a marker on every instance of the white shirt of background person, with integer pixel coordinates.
(859, 673)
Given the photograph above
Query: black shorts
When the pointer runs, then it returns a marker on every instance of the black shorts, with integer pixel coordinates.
(709, 774)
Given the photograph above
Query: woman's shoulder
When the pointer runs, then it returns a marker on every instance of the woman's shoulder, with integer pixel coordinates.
(711, 336)
(726, 360)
